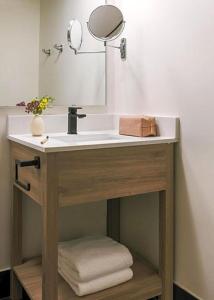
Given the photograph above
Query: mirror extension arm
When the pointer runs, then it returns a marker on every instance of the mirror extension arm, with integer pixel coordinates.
(122, 48)
(88, 52)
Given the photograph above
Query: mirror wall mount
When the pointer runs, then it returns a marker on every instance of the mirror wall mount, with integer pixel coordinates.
(47, 51)
(122, 48)
(106, 23)
(59, 47)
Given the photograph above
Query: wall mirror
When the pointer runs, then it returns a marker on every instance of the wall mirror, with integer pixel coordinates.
(106, 23)
(70, 79)
(28, 72)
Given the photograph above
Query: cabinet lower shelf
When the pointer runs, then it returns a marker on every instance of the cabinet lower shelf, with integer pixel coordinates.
(145, 284)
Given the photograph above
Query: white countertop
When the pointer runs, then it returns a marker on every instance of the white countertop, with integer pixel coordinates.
(54, 145)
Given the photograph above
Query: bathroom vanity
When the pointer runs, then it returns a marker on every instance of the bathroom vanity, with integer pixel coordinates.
(66, 172)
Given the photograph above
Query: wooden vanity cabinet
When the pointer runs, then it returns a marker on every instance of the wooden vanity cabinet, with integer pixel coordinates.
(84, 176)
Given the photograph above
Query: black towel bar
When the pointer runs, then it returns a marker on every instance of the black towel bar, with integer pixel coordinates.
(25, 163)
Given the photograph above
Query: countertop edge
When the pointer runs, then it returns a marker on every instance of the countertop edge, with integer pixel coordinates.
(162, 140)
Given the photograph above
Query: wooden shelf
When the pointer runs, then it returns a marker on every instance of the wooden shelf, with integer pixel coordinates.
(145, 284)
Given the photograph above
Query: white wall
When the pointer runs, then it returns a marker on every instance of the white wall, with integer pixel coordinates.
(70, 78)
(19, 56)
(170, 71)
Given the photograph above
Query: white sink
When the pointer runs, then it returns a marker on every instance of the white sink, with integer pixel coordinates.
(87, 138)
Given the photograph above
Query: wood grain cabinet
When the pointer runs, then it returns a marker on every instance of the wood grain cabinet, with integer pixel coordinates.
(83, 176)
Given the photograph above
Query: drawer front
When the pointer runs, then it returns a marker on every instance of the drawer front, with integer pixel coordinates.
(91, 175)
(27, 175)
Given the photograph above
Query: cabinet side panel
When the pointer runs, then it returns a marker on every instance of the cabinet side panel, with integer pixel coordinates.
(29, 175)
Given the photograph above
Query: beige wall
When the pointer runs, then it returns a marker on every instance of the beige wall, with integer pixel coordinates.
(169, 71)
(19, 58)
(19, 53)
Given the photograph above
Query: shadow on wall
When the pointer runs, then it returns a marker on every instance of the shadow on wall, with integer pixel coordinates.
(75, 221)
(188, 257)
(139, 224)
(137, 229)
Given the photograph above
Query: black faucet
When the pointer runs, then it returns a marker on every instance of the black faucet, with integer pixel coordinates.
(72, 119)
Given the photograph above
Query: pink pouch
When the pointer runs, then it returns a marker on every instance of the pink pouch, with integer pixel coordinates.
(142, 126)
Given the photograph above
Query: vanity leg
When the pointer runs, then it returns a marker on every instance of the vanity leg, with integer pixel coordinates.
(50, 232)
(16, 242)
(113, 219)
(166, 234)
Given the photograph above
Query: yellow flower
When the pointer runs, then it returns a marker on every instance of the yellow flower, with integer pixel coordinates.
(44, 102)
(42, 105)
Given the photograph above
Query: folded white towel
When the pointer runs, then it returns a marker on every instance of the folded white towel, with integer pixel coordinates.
(99, 284)
(93, 256)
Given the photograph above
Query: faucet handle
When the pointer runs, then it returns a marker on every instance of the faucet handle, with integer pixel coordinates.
(73, 109)
(81, 116)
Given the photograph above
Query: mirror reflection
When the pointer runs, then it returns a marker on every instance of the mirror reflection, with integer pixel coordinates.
(106, 22)
(28, 72)
(74, 35)
(71, 79)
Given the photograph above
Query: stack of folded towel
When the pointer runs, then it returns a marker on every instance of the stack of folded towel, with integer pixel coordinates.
(94, 263)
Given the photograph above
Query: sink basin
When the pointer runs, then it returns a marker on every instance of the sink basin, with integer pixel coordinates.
(87, 138)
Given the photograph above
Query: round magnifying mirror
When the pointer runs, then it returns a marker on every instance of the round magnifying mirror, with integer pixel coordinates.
(74, 35)
(106, 23)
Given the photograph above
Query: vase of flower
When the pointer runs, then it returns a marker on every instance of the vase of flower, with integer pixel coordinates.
(37, 125)
(36, 106)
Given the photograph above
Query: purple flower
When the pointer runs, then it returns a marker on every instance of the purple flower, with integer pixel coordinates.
(22, 103)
